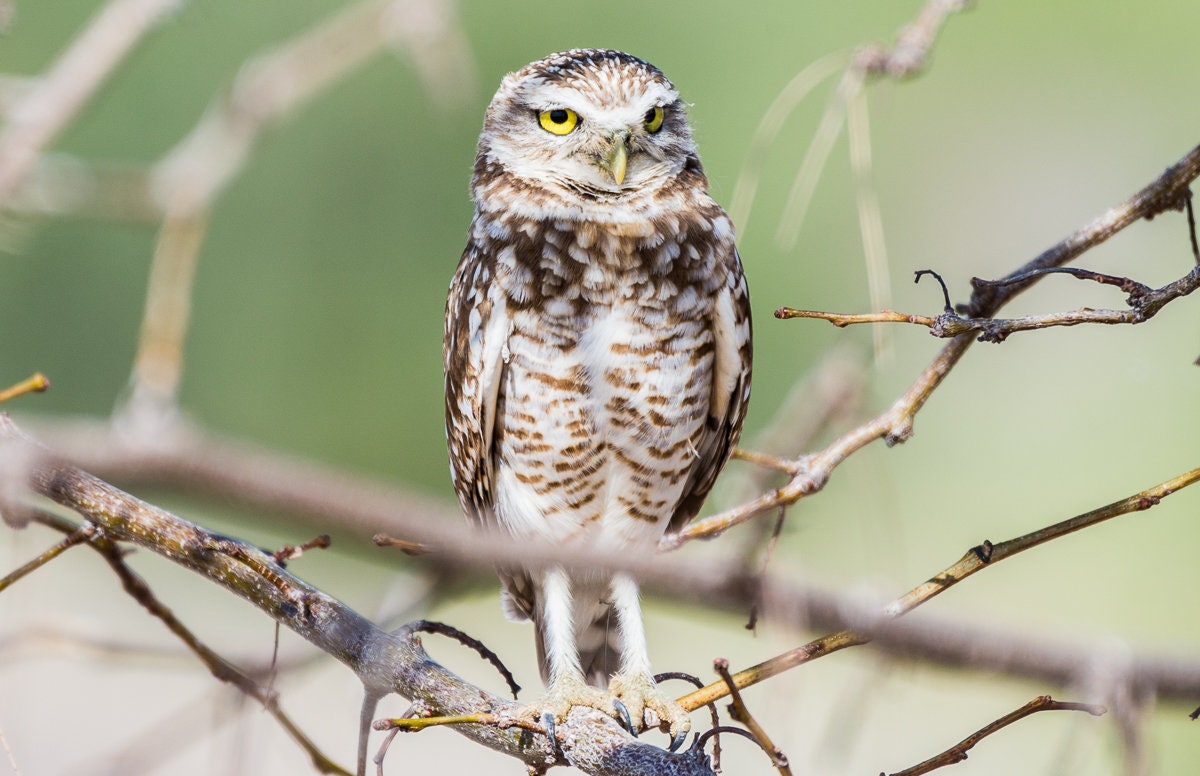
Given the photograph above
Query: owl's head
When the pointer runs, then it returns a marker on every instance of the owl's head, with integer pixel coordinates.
(582, 133)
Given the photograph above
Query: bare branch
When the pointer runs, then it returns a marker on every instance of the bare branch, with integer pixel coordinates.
(272, 85)
(387, 662)
(974, 560)
(218, 666)
(1167, 192)
(958, 752)
(64, 185)
(414, 724)
(1144, 302)
(201, 462)
(913, 45)
(190, 178)
(593, 742)
(45, 110)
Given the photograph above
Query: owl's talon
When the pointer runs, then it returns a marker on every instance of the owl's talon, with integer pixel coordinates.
(648, 705)
(624, 712)
(548, 721)
(677, 741)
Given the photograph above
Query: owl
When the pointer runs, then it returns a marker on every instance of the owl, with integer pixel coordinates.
(597, 357)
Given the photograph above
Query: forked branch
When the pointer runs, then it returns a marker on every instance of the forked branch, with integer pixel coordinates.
(1168, 191)
(1144, 303)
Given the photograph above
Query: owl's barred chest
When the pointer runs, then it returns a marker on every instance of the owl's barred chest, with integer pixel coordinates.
(606, 391)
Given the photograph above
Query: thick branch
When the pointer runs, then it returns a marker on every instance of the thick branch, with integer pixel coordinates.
(384, 662)
(388, 662)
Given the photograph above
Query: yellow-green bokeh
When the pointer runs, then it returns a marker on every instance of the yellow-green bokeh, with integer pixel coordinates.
(319, 296)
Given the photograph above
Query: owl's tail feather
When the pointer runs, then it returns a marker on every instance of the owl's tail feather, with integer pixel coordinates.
(599, 652)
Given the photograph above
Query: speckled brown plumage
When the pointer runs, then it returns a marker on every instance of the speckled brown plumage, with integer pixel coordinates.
(597, 350)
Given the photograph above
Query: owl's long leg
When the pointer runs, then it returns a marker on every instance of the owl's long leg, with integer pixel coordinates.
(558, 630)
(634, 684)
(567, 686)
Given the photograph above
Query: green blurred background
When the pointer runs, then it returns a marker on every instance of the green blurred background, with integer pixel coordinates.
(317, 329)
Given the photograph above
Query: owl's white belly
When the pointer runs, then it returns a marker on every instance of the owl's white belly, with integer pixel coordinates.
(601, 426)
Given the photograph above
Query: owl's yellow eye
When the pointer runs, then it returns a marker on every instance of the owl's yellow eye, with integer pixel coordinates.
(559, 121)
(654, 119)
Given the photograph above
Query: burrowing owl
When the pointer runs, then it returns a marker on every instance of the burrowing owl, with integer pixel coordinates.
(597, 354)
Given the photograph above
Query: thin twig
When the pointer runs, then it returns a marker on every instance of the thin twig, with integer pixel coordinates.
(441, 628)
(381, 755)
(1191, 222)
(415, 724)
(1130, 287)
(1167, 192)
(12, 760)
(1145, 304)
(740, 713)
(958, 752)
(712, 709)
(974, 560)
(946, 307)
(766, 460)
(870, 217)
(288, 552)
(842, 320)
(35, 383)
(218, 666)
(151, 397)
(412, 549)
(80, 535)
(767, 554)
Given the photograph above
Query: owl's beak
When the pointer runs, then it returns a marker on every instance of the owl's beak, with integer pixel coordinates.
(613, 160)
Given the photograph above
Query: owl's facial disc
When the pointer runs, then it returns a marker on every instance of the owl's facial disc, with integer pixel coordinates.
(585, 132)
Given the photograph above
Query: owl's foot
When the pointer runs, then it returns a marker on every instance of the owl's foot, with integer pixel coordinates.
(560, 698)
(638, 703)
(569, 692)
(648, 705)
